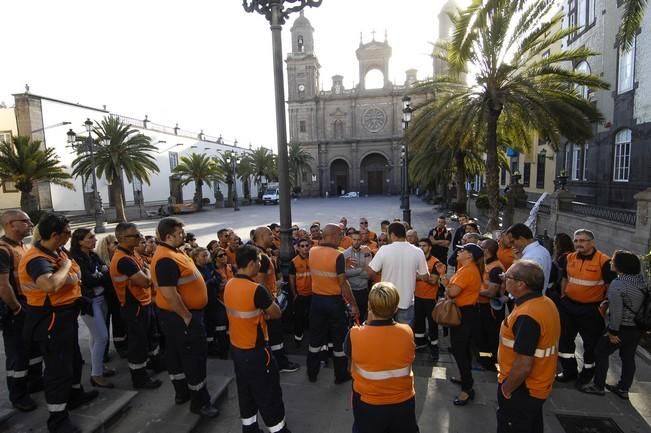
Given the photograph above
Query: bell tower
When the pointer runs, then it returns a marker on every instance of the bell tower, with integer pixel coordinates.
(373, 55)
(446, 27)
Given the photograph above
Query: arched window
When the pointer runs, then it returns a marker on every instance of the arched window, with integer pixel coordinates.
(374, 79)
(622, 153)
(583, 68)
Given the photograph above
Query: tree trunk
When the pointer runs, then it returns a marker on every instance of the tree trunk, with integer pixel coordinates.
(247, 189)
(230, 194)
(120, 214)
(460, 178)
(198, 194)
(492, 185)
(28, 201)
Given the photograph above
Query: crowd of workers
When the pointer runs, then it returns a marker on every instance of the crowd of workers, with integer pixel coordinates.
(365, 299)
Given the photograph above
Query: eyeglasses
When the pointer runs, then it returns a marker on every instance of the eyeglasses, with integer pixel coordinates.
(364, 223)
(504, 276)
(304, 246)
(221, 255)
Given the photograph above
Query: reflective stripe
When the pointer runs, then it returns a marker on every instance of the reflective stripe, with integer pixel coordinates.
(27, 287)
(210, 339)
(585, 282)
(566, 355)
(277, 347)
(244, 314)
(250, 421)
(188, 279)
(76, 386)
(298, 337)
(155, 352)
(314, 349)
(221, 328)
(338, 354)
(485, 354)
(383, 374)
(278, 427)
(539, 353)
(119, 338)
(179, 376)
(323, 273)
(589, 365)
(16, 374)
(36, 360)
(198, 386)
(303, 274)
(120, 278)
(329, 346)
(434, 343)
(56, 407)
(133, 366)
(419, 335)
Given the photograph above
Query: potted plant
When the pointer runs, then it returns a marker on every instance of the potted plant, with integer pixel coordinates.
(562, 179)
(516, 176)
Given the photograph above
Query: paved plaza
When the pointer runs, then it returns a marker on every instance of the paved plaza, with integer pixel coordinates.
(324, 407)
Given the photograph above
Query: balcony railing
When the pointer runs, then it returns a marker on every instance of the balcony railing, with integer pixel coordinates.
(622, 216)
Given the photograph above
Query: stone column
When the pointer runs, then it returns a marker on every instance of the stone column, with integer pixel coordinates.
(643, 221)
(557, 199)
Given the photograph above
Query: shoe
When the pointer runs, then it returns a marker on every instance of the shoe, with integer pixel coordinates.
(311, 378)
(591, 388)
(615, 389)
(81, 397)
(97, 384)
(25, 404)
(290, 367)
(340, 380)
(564, 377)
(207, 411)
(182, 398)
(149, 383)
(109, 372)
(455, 380)
(66, 427)
(434, 353)
(471, 396)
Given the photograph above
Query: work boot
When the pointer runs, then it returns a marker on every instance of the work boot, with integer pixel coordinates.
(79, 397)
(148, 383)
(25, 404)
(206, 411)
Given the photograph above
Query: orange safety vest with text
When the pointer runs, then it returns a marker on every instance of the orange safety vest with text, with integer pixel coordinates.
(64, 295)
(303, 276)
(190, 285)
(585, 281)
(487, 271)
(323, 269)
(542, 375)
(383, 376)
(425, 290)
(245, 320)
(121, 282)
(16, 253)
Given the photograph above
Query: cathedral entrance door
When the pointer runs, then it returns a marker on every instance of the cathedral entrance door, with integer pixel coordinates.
(374, 168)
(375, 183)
(339, 177)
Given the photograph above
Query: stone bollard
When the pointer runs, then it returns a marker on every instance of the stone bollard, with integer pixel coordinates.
(557, 200)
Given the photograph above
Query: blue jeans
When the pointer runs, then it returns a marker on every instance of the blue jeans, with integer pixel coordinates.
(98, 334)
(405, 315)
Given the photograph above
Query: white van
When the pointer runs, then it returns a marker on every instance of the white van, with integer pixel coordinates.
(272, 195)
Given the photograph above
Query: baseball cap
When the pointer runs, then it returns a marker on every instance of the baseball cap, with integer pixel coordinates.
(189, 237)
(473, 249)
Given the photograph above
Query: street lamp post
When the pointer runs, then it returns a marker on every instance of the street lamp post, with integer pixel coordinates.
(406, 118)
(234, 159)
(276, 13)
(90, 145)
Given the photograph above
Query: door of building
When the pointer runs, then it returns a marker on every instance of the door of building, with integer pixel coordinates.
(375, 182)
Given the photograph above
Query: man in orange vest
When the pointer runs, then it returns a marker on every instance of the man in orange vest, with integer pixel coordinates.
(181, 297)
(132, 281)
(23, 361)
(300, 284)
(488, 329)
(268, 276)
(585, 276)
(328, 319)
(527, 353)
(249, 306)
(425, 296)
(383, 382)
(51, 284)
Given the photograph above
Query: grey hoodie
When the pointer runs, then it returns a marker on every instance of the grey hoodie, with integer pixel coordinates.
(625, 297)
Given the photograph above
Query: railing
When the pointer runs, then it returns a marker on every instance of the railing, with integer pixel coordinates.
(543, 208)
(131, 121)
(622, 216)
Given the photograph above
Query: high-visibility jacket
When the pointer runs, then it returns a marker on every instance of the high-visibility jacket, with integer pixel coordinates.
(323, 268)
(303, 276)
(495, 264)
(247, 326)
(372, 236)
(544, 312)
(270, 277)
(383, 376)
(505, 256)
(65, 295)
(585, 281)
(425, 290)
(230, 257)
(190, 285)
(346, 242)
(121, 282)
(16, 251)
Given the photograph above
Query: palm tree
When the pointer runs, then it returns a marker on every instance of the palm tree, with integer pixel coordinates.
(245, 171)
(128, 153)
(517, 88)
(25, 163)
(225, 167)
(299, 162)
(264, 162)
(200, 169)
(631, 22)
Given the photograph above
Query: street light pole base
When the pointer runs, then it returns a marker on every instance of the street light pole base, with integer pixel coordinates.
(406, 215)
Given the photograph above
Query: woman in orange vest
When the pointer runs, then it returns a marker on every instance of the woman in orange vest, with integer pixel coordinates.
(488, 331)
(383, 382)
(464, 287)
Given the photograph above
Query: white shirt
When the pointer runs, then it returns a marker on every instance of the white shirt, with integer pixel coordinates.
(539, 254)
(399, 263)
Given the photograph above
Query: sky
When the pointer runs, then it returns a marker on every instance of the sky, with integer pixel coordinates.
(206, 64)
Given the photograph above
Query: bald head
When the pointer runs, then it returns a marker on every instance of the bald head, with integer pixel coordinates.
(263, 237)
(331, 233)
(16, 224)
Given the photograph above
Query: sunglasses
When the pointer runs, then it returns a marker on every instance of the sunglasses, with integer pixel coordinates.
(504, 276)
(221, 255)
(365, 223)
